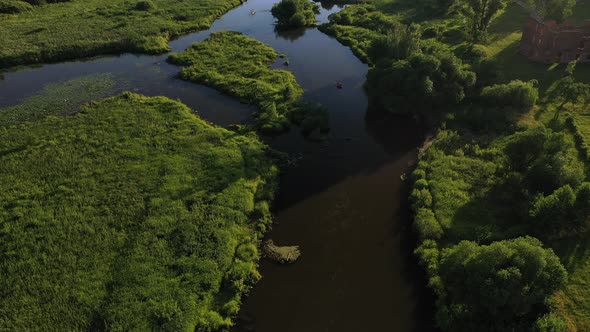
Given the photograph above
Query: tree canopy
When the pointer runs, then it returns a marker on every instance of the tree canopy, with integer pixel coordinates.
(479, 14)
(557, 10)
(295, 13)
(493, 287)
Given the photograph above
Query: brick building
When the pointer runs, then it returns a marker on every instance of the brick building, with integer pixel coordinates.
(550, 42)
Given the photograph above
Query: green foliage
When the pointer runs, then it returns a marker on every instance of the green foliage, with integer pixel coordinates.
(494, 287)
(579, 139)
(557, 10)
(131, 215)
(295, 13)
(426, 225)
(554, 212)
(240, 66)
(420, 83)
(516, 94)
(550, 323)
(568, 90)
(399, 43)
(546, 158)
(525, 147)
(144, 5)
(82, 28)
(420, 198)
(562, 211)
(479, 14)
(365, 29)
(14, 6)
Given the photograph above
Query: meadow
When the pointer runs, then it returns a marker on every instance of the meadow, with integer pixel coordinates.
(132, 214)
(61, 31)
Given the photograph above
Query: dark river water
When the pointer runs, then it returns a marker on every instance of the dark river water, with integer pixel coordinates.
(343, 203)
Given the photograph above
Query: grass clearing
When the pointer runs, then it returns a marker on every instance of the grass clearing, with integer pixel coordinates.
(82, 28)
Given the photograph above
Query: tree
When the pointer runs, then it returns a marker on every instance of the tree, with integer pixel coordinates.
(554, 212)
(420, 82)
(295, 13)
(516, 94)
(399, 43)
(495, 287)
(568, 90)
(479, 14)
(582, 205)
(557, 10)
(546, 159)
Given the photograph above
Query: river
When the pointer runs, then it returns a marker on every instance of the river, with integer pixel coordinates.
(343, 203)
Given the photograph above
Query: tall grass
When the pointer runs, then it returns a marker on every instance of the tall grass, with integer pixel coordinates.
(82, 28)
(131, 215)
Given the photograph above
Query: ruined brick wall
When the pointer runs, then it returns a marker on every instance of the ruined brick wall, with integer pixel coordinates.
(549, 42)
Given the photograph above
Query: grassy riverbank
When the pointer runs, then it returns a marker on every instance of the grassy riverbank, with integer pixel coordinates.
(133, 214)
(82, 28)
(502, 166)
(241, 67)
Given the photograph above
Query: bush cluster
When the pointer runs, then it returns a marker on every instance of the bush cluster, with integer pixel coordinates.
(295, 13)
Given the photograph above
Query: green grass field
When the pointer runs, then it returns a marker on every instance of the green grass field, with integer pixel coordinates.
(133, 214)
(82, 28)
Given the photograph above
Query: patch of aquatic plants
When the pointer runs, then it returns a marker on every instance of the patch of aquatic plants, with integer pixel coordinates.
(295, 13)
(240, 66)
(133, 214)
(59, 99)
(83, 28)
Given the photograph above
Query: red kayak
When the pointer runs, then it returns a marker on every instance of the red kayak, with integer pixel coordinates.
(339, 85)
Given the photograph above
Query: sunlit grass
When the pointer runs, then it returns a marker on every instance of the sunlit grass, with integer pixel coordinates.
(133, 215)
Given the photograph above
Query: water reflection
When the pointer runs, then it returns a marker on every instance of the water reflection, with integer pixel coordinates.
(290, 34)
(329, 5)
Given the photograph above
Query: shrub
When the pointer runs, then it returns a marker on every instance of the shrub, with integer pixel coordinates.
(554, 212)
(144, 5)
(426, 225)
(420, 199)
(399, 43)
(550, 323)
(517, 94)
(418, 174)
(295, 13)
(421, 184)
(480, 282)
(582, 205)
(13, 6)
(420, 83)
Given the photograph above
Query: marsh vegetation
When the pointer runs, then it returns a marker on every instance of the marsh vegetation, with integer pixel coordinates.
(63, 30)
(133, 214)
(241, 66)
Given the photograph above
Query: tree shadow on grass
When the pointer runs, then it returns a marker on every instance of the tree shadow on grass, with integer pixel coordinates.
(498, 213)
